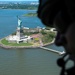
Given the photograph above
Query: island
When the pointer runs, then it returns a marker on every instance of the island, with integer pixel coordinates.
(30, 14)
(25, 37)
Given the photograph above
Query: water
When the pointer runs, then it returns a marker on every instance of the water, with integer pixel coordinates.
(8, 20)
(25, 61)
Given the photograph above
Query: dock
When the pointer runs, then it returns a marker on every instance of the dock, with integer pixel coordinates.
(52, 50)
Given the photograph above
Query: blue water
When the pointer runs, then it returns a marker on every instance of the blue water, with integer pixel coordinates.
(25, 61)
(8, 20)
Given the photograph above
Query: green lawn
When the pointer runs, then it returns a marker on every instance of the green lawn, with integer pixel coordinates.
(5, 42)
(30, 14)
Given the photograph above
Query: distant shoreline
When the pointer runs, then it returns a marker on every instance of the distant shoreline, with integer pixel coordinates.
(30, 14)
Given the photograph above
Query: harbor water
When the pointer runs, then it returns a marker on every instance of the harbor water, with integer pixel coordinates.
(34, 61)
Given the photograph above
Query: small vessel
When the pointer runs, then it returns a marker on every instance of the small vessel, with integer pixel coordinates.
(62, 52)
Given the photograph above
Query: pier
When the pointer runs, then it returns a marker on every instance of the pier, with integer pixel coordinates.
(55, 51)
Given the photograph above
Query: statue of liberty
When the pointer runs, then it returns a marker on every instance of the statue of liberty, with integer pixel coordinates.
(19, 32)
(19, 23)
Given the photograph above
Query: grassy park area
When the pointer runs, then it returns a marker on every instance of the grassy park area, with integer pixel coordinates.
(45, 37)
(5, 42)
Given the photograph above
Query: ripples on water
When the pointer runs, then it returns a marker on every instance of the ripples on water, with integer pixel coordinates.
(28, 62)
